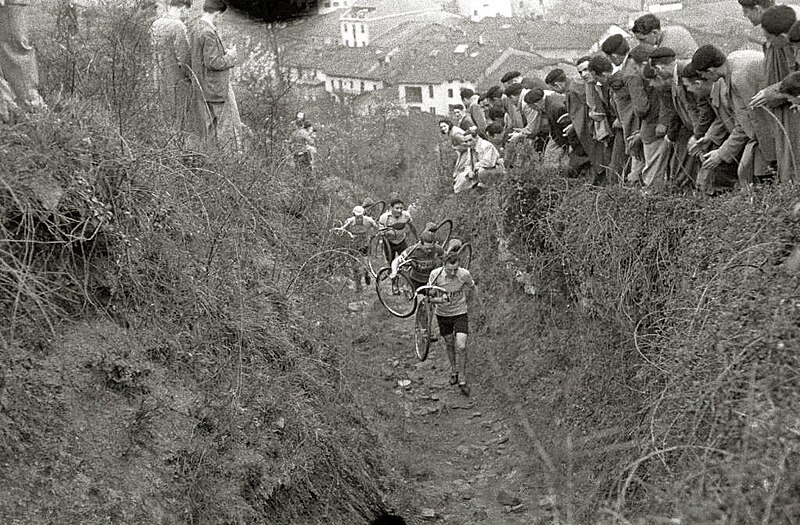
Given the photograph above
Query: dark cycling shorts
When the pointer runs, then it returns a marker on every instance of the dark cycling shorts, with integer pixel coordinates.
(396, 249)
(455, 324)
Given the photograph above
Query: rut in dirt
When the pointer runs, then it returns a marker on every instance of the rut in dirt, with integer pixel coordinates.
(458, 457)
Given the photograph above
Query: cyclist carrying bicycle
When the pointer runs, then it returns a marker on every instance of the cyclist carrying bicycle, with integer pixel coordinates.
(396, 214)
(451, 314)
(362, 226)
(425, 255)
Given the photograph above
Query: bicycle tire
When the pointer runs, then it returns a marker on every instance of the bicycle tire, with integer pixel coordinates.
(465, 255)
(423, 324)
(443, 232)
(402, 304)
(376, 254)
(376, 209)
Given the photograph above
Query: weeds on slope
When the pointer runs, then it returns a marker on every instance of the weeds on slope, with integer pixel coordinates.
(655, 357)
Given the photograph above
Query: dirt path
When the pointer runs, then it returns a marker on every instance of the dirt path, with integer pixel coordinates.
(458, 453)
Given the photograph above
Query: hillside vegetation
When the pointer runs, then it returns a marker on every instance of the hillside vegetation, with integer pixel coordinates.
(178, 338)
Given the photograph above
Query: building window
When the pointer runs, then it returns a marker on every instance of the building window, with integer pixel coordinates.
(351, 84)
(347, 43)
(345, 28)
(430, 91)
(362, 87)
(450, 93)
(475, 12)
(362, 26)
(413, 94)
(433, 110)
(333, 86)
(340, 84)
(336, 4)
(374, 87)
(327, 4)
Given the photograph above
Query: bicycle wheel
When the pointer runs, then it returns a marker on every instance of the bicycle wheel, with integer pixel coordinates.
(377, 253)
(423, 324)
(443, 231)
(396, 295)
(465, 255)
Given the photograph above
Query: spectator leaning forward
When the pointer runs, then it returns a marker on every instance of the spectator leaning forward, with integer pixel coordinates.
(647, 30)
(616, 49)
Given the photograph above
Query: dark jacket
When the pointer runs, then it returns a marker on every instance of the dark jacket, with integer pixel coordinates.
(210, 62)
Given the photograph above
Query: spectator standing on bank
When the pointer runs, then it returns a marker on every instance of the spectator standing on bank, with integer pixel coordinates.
(18, 56)
(212, 63)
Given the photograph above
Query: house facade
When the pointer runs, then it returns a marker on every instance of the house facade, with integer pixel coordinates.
(477, 10)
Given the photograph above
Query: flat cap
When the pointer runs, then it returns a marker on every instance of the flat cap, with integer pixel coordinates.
(615, 44)
(662, 52)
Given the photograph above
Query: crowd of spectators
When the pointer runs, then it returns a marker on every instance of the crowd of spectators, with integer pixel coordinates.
(657, 111)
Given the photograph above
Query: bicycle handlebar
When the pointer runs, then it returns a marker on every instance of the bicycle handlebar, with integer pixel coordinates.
(424, 290)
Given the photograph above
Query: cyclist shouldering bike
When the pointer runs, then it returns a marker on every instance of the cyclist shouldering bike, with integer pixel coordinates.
(451, 314)
(395, 216)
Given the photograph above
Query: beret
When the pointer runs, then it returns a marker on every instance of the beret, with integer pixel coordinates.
(791, 84)
(706, 57)
(555, 75)
(534, 95)
(615, 44)
(514, 89)
(662, 52)
(778, 19)
(466, 93)
(510, 75)
(494, 92)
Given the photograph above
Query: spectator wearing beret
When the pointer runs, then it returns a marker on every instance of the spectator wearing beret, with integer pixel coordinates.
(616, 48)
(678, 106)
(474, 110)
(511, 77)
(604, 116)
(579, 126)
(753, 9)
(779, 61)
(491, 98)
(647, 30)
(735, 79)
(212, 63)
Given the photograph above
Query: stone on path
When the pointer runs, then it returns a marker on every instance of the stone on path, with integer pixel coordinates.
(427, 514)
(505, 498)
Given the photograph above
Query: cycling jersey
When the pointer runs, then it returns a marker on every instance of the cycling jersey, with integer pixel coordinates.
(426, 258)
(360, 225)
(454, 287)
(387, 219)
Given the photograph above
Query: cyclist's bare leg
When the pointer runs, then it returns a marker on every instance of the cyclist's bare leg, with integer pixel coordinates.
(449, 345)
(460, 353)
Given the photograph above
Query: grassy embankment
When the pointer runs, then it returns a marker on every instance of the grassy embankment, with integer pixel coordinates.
(654, 370)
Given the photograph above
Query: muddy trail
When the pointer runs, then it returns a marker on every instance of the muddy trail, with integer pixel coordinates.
(458, 458)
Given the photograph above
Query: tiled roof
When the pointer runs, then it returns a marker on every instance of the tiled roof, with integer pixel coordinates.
(531, 35)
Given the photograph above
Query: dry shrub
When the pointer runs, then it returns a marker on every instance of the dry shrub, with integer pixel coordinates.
(205, 258)
(656, 357)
